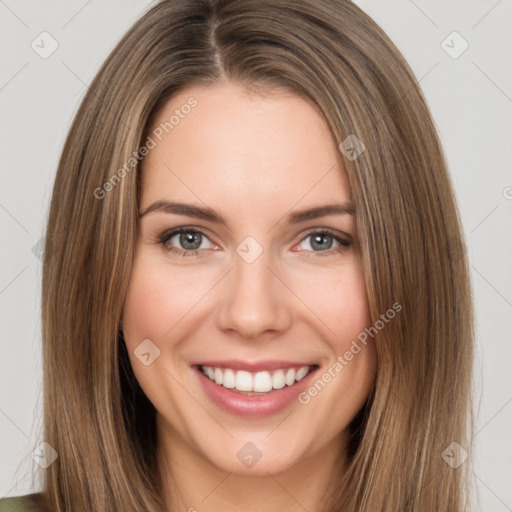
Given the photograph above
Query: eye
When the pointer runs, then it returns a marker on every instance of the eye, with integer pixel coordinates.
(189, 241)
(323, 241)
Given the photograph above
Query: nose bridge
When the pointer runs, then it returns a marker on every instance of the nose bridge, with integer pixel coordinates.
(255, 300)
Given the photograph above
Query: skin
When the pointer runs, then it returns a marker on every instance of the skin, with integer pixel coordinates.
(254, 158)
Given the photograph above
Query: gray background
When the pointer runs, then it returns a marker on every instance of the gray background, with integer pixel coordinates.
(471, 100)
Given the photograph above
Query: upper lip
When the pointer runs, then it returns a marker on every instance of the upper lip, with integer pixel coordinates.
(253, 366)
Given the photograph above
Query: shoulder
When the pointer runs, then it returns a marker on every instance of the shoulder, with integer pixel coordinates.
(26, 503)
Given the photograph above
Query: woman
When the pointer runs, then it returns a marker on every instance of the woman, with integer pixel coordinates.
(254, 291)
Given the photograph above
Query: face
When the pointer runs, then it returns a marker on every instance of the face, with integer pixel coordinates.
(245, 300)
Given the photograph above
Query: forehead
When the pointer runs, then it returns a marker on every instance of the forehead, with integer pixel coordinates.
(231, 144)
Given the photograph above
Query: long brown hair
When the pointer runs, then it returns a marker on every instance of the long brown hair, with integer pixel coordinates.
(330, 52)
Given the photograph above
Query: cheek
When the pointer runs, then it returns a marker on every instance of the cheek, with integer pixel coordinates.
(159, 296)
(145, 306)
(337, 298)
(339, 301)
(157, 299)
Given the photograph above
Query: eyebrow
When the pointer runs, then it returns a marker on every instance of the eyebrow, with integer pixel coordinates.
(190, 210)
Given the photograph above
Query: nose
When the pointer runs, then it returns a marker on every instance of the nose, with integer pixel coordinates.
(255, 301)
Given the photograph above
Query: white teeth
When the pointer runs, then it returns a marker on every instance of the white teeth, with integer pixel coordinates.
(278, 381)
(243, 381)
(229, 379)
(301, 373)
(260, 382)
(290, 377)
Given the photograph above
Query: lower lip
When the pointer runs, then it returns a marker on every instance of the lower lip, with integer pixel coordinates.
(255, 406)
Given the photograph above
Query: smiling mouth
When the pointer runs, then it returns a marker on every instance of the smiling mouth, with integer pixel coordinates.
(255, 383)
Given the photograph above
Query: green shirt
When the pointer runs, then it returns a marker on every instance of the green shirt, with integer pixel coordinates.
(26, 503)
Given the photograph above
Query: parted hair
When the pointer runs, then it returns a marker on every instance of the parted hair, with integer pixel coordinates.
(331, 53)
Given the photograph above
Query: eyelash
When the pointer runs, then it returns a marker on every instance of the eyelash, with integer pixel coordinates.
(164, 237)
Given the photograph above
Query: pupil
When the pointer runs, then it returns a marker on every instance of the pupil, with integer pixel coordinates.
(190, 238)
(319, 242)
